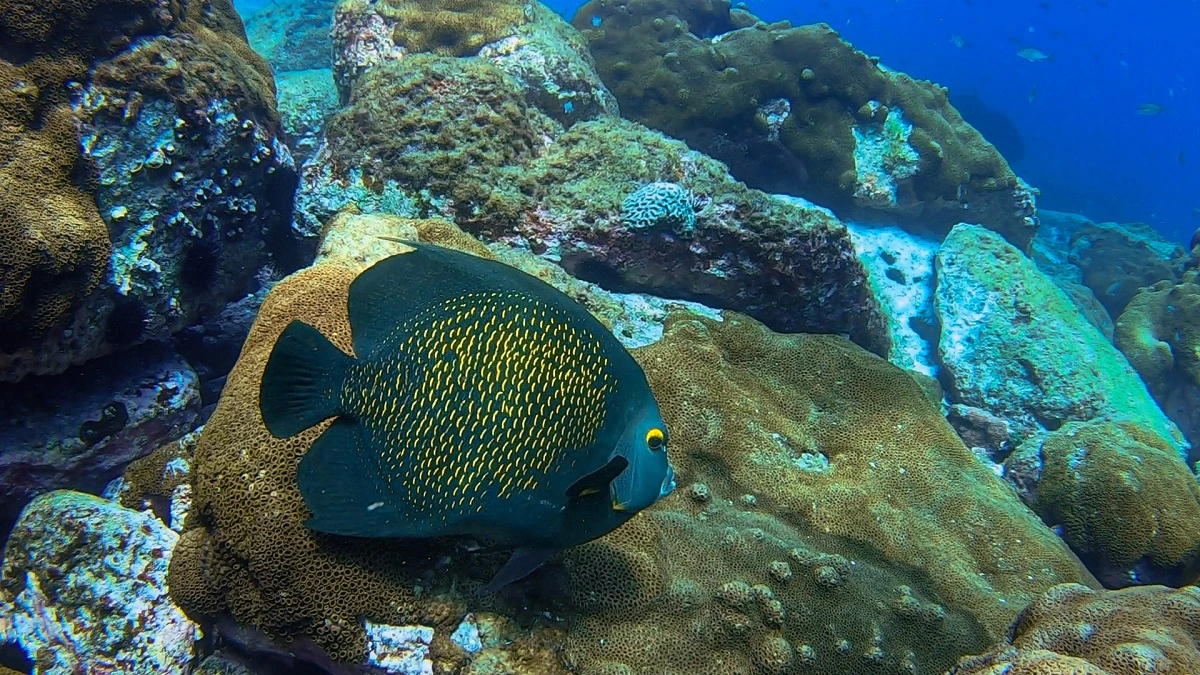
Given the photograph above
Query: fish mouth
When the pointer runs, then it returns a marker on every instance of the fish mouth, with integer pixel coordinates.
(668, 484)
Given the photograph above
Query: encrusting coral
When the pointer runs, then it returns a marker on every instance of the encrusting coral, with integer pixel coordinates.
(1072, 630)
(1127, 503)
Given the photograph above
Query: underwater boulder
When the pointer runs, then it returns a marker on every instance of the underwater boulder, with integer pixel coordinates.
(885, 520)
(1012, 343)
(142, 175)
(80, 429)
(1159, 332)
(1118, 259)
(83, 589)
(868, 142)
(526, 40)
(1150, 629)
(1124, 500)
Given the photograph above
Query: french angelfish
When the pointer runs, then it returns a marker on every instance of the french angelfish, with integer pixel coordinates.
(480, 401)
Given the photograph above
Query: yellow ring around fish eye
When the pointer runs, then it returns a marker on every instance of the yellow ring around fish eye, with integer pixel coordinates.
(654, 438)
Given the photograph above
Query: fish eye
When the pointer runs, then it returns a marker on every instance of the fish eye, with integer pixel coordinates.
(655, 439)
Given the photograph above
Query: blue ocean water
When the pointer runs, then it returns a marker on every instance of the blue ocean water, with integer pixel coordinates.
(1086, 146)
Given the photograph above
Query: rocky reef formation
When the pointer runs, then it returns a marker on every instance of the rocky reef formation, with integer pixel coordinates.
(534, 157)
(83, 589)
(883, 505)
(141, 174)
(797, 110)
(1072, 629)
(1118, 259)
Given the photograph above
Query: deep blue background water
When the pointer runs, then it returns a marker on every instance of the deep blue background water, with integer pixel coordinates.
(1086, 146)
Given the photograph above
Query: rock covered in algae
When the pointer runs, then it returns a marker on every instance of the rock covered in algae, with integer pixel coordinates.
(798, 110)
(1013, 344)
(1078, 631)
(84, 583)
(142, 172)
(526, 40)
(888, 545)
(80, 429)
(1117, 259)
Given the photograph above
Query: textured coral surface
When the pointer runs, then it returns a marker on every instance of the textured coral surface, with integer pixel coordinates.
(1072, 630)
(139, 168)
(1126, 502)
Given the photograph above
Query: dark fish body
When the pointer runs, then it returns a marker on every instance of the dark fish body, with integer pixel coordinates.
(481, 402)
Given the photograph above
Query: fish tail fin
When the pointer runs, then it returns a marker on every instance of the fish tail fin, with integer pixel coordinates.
(301, 383)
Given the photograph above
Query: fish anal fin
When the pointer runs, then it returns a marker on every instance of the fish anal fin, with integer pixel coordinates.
(345, 494)
(598, 480)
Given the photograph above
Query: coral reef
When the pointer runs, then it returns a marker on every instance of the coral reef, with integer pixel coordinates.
(457, 130)
(832, 550)
(84, 581)
(1159, 332)
(792, 267)
(1013, 344)
(864, 140)
(1118, 259)
(890, 545)
(1077, 631)
(451, 27)
(1124, 500)
(154, 130)
(293, 34)
(80, 428)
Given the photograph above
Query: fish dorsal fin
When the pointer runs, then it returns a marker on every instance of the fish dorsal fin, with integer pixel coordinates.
(598, 480)
(396, 288)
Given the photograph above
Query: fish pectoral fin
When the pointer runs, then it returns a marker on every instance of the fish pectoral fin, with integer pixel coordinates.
(598, 480)
(344, 495)
(522, 563)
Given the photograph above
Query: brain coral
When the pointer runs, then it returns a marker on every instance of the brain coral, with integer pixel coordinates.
(887, 548)
(1072, 630)
(1127, 503)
